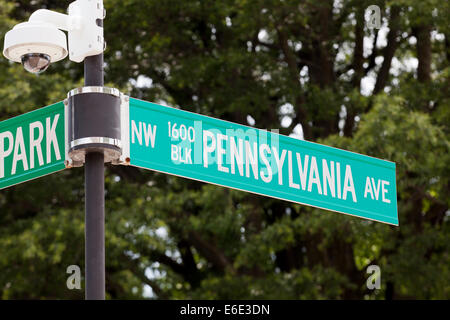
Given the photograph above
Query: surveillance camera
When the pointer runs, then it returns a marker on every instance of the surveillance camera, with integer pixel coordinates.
(41, 41)
(36, 45)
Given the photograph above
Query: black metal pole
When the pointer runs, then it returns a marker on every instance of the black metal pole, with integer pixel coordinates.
(95, 227)
(95, 200)
(93, 70)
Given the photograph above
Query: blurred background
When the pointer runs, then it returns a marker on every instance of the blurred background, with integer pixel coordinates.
(313, 69)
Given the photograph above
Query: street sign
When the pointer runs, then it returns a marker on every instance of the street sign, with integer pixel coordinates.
(32, 145)
(198, 147)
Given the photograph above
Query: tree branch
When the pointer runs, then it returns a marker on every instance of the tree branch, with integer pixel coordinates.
(294, 72)
(389, 50)
(373, 55)
(422, 33)
(210, 252)
(138, 272)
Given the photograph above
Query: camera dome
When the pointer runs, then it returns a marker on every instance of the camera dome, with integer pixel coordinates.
(36, 62)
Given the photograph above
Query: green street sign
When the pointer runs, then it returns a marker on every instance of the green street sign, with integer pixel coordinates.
(32, 145)
(198, 147)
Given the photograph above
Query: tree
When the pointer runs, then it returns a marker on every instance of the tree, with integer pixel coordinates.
(309, 68)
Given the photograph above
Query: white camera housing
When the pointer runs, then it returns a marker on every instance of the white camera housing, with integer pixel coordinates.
(42, 34)
(35, 37)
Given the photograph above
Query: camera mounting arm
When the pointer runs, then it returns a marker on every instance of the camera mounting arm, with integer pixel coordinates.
(59, 20)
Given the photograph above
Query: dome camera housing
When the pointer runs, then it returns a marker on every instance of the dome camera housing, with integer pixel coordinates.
(35, 45)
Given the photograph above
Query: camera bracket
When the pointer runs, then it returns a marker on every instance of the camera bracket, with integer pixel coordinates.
(83, 24)
(86, 29)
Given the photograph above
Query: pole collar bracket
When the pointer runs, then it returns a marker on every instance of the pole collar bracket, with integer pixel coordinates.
(94, 124)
